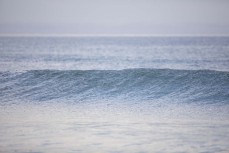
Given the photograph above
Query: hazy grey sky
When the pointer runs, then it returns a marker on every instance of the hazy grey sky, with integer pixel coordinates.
(151, 17)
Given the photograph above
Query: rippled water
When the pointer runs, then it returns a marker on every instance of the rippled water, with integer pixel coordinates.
(114, 94)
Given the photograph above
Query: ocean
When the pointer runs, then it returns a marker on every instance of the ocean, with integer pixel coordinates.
(114, 94)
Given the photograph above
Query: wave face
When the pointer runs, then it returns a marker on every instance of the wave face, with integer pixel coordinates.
(132, 85)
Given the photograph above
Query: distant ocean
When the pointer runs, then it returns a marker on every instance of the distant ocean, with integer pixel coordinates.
(114, 94)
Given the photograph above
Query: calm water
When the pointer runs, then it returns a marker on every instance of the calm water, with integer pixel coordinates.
(114, 94)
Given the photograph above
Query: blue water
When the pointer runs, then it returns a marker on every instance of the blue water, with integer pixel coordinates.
(114, 53)
(180, 86)
(162, 89)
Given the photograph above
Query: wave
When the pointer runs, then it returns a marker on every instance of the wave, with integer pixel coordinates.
(180, 86)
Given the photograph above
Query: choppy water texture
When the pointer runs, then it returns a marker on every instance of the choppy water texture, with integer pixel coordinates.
(114, 94)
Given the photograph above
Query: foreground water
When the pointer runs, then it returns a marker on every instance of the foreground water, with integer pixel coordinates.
(114, 94)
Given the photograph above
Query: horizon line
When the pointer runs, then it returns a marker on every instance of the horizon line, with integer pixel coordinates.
(112, 35)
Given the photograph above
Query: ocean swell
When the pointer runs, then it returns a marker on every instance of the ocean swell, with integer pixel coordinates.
(132, 85)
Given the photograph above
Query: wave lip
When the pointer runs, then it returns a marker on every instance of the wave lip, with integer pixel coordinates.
(181, 86)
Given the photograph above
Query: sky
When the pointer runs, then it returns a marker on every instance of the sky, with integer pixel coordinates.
(114, 17)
